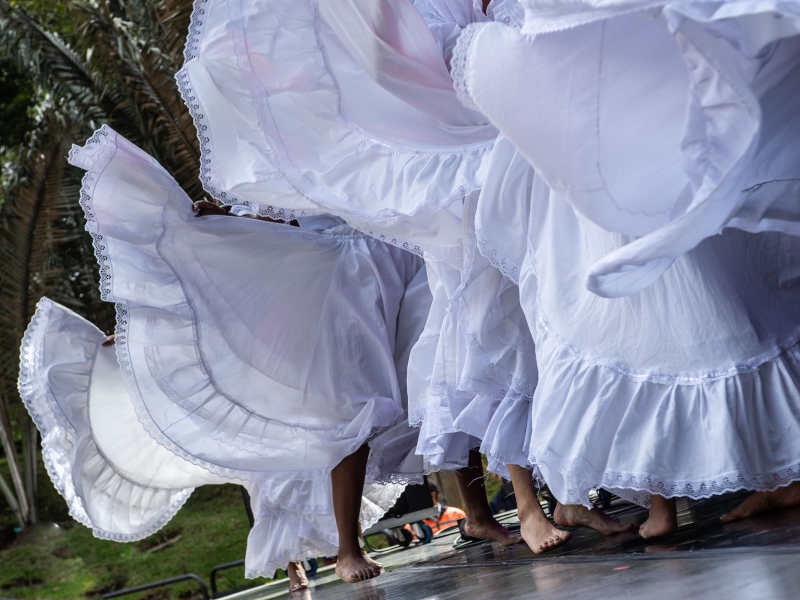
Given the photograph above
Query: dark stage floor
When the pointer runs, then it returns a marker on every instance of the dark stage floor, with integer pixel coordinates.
(756, 558)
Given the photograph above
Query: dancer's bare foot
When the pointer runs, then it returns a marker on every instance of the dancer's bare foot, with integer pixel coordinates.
(353, 568)
(490, 529)
(761, 502)
(297, 577)
(577, 515)
(347, 483)
(663, 518)
(540, 534)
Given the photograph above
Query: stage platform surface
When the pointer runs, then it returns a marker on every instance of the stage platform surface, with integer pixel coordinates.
(758, 558)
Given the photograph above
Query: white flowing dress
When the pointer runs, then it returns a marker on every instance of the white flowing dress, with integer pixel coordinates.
(119, 481)
(334, 101)
(306, 107)
(257, 351)
(676, 120)
(688, 388)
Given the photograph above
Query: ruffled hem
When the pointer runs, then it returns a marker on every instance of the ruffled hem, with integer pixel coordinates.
(675, 440)
(360, 177)
(218, 420)
(78, 469)
(295, 531)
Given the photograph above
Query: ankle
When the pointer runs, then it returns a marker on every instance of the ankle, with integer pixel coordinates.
(480, 518)
(349, 550)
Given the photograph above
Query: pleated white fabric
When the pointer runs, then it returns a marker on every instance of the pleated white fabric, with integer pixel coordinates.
(687, 388)
(114, 477)
(677, 119)
(121, 483)
(225, 327)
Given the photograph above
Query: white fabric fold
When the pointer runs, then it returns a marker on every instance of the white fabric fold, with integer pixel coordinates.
(114, 477)
(687, 388)
(663, 126)
(225, 325)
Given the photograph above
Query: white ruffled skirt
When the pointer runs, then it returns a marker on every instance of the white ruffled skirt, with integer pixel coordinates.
(475, 355)
(249, 348)
(687, 388)
(344, 108)
(121, 483)
(114, 477)
(677, 119)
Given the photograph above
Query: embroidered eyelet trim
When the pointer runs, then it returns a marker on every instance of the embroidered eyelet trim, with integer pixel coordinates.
(496, 257)
(507, 12)
(459, 64)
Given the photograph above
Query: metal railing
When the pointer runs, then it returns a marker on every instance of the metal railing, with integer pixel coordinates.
(163, 582)
(213, 577)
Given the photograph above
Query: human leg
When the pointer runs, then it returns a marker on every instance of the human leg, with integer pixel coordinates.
(663, 518)
(347, 481)
(297, 577)
(480, 521)
(539, 533)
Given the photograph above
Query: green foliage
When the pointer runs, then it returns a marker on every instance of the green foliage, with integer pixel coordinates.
(70, 66)
(69, 563)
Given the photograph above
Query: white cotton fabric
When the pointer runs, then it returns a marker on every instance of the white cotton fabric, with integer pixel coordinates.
(226, 327)
(294, 521)
(114, 477)
(349, 103)
(121, 483)
(480, 354)
(663, 127)
(687, 388)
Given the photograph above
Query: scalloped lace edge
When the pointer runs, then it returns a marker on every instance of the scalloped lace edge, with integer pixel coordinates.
(498, 259)
(579, 469)
(102, 144)
(459, 64)
(95, 155)
(328, 200)
(29, 385)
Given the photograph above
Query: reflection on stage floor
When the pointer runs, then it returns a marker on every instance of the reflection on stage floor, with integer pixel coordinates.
(755, 558)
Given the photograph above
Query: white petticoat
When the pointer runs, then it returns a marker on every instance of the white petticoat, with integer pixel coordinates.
(334, 101)
(479, 354)
(114, 477)
(677, 118)
(294, 521)
(249, 348)
(687, 388)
